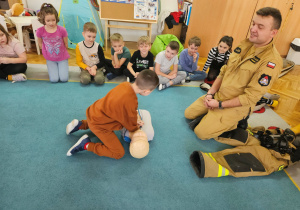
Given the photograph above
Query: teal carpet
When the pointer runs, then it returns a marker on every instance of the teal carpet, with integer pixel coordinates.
(35, 172)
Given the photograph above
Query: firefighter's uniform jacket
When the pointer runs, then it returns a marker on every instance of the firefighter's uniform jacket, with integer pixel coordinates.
(249, 73)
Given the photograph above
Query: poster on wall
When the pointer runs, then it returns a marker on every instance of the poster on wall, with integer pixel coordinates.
(120, 1)
(145, 9)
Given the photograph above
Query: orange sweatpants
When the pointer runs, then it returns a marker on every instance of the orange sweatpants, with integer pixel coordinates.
(110, 146)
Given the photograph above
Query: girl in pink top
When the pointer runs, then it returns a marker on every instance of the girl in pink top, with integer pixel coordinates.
(53, 40)
(12, 57)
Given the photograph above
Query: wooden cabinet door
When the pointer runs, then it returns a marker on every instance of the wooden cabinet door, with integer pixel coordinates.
(289, 28)
(210, 20)
(213, 19)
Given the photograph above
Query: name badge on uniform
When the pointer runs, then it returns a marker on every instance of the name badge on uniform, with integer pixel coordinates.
(271, 65)
(237, 50)
(255, 59)
(264, 80)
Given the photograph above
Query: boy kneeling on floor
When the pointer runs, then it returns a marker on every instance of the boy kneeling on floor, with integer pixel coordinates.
(116, 110)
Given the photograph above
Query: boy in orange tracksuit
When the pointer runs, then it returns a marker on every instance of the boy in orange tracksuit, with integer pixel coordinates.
(116, 110)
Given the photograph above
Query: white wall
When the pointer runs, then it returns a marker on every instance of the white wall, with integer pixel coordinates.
(36, 4)
(129, 35)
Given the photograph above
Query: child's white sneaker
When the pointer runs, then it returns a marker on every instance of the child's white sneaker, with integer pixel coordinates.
(73, 126)
(205, 86)
(162, 86)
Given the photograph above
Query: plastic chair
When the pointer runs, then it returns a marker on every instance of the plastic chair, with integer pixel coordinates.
(35, 25)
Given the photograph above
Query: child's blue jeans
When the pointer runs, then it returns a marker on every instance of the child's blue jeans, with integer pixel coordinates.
(195, 75)
(58, 70)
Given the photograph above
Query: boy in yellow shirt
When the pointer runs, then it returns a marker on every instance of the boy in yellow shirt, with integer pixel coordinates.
(90, 57)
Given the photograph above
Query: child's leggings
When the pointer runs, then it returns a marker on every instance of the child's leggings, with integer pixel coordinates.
(11, 69)
(58, 70)
(111, 146)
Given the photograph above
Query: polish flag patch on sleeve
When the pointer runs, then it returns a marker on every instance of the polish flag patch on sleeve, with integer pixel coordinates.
(271, 65)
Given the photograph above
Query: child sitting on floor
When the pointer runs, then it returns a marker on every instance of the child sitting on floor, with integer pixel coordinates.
(120, 56)
(140, 60)
(217, 57)
(188, 61)
(163, 62)
(12, 57)
(89, 56)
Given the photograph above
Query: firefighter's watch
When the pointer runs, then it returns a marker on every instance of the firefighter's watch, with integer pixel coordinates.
(220, 105)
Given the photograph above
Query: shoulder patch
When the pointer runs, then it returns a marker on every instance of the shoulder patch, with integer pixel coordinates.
(237, 50)
(271, 65)
(255, 59)
(264, 80)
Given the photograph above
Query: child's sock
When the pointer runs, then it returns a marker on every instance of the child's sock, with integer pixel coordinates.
(17, 77)
(168, 84)
(86, 146)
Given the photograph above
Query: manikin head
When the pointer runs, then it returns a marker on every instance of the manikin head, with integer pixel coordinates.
(139, 145)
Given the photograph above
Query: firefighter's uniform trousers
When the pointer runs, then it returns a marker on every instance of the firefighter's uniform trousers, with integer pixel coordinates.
(247, 159)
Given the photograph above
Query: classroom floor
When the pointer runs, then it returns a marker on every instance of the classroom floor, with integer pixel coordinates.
(37, 174)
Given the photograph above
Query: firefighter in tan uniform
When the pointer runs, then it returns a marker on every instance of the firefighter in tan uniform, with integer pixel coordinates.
(251, 70)
(266, 151)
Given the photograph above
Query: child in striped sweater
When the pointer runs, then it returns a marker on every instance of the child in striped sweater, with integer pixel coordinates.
(217, 57)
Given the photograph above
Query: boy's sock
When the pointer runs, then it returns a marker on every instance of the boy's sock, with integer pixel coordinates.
(73, 126)
(183, 81)
(128, 79)
(81, 145)
(17, 77)
(110, 76)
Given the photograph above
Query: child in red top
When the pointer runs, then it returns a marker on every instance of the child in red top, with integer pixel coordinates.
(116, 110)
